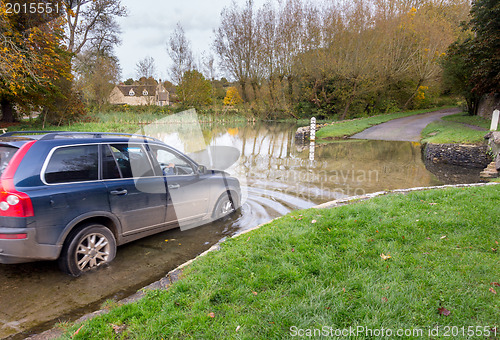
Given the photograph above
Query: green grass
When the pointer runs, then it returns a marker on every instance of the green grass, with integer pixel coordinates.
(452, 129)
(127, 122)
(465, 118)
(347, 128)
(295, 272)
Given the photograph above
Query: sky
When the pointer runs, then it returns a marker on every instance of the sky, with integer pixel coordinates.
(150, 23)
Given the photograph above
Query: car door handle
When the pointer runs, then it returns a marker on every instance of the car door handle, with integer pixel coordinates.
(174, 186)
(119, 192)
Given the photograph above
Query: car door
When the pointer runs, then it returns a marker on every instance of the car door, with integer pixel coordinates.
(136, 195)
(188, 194)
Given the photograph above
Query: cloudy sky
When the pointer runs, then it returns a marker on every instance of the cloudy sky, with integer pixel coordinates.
(150, 23)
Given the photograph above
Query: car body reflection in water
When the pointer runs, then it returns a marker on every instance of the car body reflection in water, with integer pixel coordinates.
(278, 177)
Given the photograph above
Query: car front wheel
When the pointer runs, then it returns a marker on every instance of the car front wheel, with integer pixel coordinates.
(225, 205)
(90, 247)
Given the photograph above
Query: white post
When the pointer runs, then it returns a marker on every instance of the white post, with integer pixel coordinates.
(494, 120)
(312, 132)
(312, 137)
(312, 148)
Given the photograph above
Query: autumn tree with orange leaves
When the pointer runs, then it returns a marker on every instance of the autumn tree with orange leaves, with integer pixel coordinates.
(32, 63)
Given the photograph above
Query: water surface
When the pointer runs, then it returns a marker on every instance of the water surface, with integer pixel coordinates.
(277, 174)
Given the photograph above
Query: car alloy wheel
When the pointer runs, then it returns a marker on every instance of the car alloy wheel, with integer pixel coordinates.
(225, 206)
(92, 251)
(87, 248)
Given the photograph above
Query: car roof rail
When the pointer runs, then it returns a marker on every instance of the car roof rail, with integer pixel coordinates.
(54, 134)
(33, 132)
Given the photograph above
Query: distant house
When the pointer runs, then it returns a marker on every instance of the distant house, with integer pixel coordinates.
(140, 95)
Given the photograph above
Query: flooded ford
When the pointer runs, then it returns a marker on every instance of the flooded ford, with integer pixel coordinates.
(277, 175)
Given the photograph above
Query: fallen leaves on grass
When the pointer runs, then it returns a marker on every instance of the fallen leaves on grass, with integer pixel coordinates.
(314, 221)
(212, 315)
(443, 311)
(443, 237)
(496, 284)
(492, 290)
(385, 257)
(118, 329)
(77, 331)
(384, 299)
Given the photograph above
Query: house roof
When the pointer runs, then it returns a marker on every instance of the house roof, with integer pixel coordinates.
(138, 89)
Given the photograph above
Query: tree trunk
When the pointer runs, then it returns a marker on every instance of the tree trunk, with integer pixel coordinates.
(349, 102)
(243, 85)
(271, 91)
(290, 88)
(413, 95)
(7, 111)
(255, 89)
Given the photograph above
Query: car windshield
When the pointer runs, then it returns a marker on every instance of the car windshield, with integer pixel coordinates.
(6, 154)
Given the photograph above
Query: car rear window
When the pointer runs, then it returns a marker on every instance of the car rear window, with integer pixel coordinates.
(73, 164)
(6, 154)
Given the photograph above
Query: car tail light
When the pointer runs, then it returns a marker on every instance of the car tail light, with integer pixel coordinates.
(14, 203)
(13, 236)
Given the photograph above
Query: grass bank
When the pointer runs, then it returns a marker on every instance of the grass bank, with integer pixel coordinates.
(347, 128)
(458, 128)
(424, 261)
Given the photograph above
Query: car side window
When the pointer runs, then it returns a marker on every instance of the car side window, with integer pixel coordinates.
(171, 164)
(126, 161)
(77, 163)
(110, 169)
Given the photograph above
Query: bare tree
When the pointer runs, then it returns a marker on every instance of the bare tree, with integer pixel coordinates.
(236, 45)
(290, 32)
(208, 66)
(267, 21)
(179, 50)
(92, 21)
(145, 68)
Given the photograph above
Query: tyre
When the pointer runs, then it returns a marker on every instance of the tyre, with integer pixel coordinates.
(226, 204)
(89, 247)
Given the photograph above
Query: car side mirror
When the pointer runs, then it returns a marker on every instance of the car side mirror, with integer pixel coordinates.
(202, 169)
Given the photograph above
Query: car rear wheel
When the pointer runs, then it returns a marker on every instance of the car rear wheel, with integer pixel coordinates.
(226, 204)
(90, 247)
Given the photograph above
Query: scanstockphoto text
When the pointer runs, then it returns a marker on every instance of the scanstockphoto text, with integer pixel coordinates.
(413, 332)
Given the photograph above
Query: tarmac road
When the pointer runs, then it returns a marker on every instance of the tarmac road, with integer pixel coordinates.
(404, 129)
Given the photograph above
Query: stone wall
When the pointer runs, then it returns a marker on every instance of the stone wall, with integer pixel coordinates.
(488, 104)
(476, 156)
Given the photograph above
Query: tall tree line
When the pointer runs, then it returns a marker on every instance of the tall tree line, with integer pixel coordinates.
(337, 57)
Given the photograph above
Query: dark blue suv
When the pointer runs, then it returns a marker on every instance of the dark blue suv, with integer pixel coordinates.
(76, 196)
